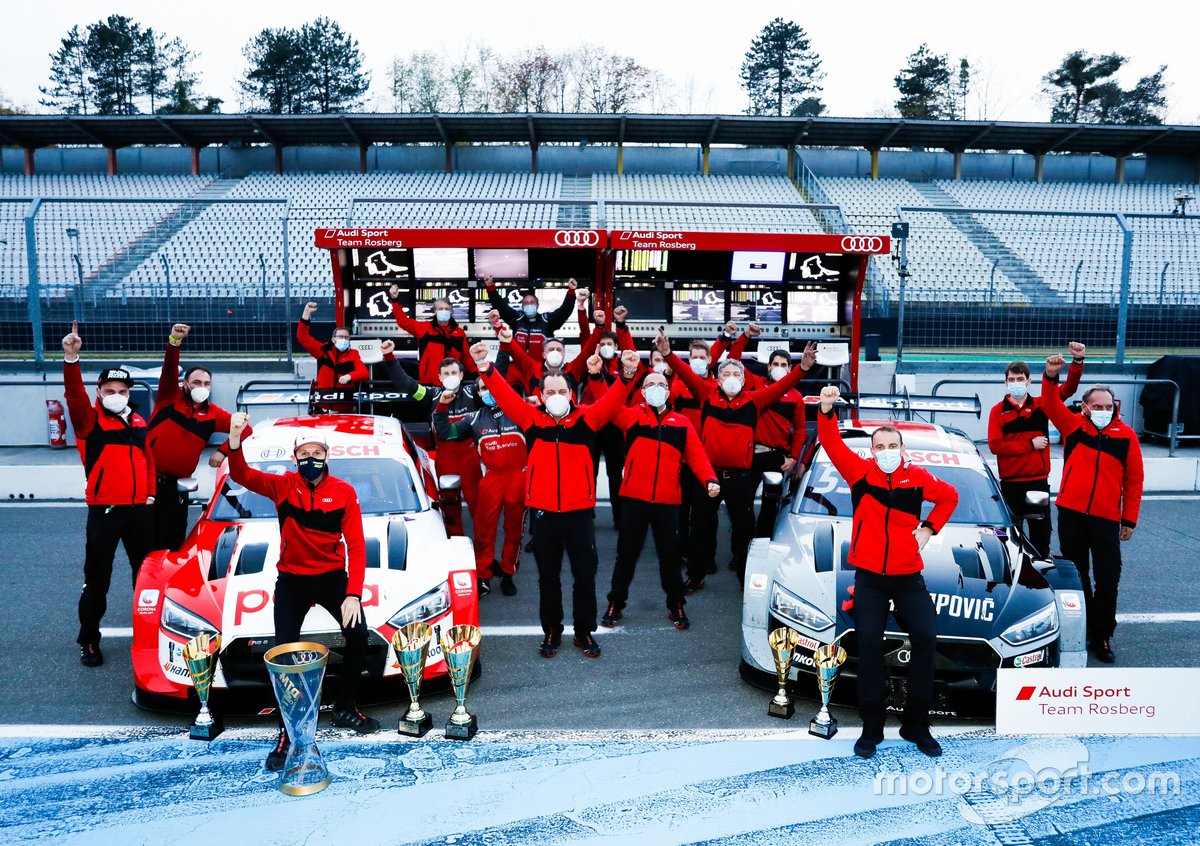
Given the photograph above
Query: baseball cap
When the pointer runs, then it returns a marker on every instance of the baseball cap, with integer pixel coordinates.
(115, 374)
(311, 437)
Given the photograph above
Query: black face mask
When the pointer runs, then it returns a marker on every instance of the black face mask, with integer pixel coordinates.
(310, 468)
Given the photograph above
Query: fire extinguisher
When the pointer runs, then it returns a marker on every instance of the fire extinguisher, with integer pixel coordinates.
(56, 423)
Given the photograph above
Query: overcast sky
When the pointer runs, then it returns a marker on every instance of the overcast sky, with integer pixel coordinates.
(698, 47)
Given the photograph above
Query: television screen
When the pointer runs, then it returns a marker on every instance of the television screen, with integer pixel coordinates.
(756, 266)
(460, 302)
(814, 268)
(511, 294)
(642, 261)
(502, 264)
(370, 301)
(440, 262)
(383, 264)
(646, 301)
(697, 305)
(812, 307)
(760, 304)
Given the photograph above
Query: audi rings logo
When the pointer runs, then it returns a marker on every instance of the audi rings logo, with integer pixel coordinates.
(577, 238)
(862, 244)
(904, 656)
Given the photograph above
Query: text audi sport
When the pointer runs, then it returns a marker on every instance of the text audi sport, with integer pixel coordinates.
(223, 577)
(997, 605)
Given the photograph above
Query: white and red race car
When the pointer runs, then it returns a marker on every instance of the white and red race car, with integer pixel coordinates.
(222, 579)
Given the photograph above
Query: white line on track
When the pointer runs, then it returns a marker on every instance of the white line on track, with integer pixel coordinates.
(1172, 617)
(488, 631)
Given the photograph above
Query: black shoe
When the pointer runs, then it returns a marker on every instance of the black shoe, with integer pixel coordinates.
(692, 585)
(485, 587)
(678, 617)
(918, 733)
(609, 620)
(352, 718)
(588, 644)
(1102, 649)
(89, 655)
(507, 586)
(278, 755)
(551, 642)
(864, 747)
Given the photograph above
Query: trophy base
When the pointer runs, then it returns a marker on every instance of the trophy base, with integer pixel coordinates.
(208, 732)
(466, 731)
(784, 712)
(823, 730)
(415, 728)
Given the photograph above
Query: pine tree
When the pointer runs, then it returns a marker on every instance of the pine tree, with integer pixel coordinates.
(924, 86)
(780, 69)
(69, 90)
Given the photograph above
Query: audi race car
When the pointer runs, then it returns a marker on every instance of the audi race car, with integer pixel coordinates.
(222, 579)
(997, 604)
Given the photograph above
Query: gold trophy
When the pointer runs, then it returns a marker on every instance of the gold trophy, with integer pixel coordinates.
(460, 647)
(200, 653)
(783, 642)
(412, 648)
(828, 660)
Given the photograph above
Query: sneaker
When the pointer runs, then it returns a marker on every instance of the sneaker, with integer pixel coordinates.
(551, 642)
(609, 620)
(918, 733)
(485, 587)
(507, 586)
(89, 655)
(278, 755)
(1103, 651)
(678, 617)
(692, 585)
(352, 718)
(588, 644)
(864, 747)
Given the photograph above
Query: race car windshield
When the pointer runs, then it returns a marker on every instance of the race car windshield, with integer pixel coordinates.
(384, 486)
(826, 493)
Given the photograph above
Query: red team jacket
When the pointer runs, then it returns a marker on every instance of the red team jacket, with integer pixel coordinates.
(1011, 430)
(312, 522)
(1102, 473)
(118, 465)
(331, 364)
(656, 448)
(435, 344)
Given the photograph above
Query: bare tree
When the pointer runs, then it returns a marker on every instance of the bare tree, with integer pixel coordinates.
(528, 82)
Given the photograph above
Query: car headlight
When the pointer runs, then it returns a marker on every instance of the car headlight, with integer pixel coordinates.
(178, 620)
(426, 607)
(1034, 626)
(788, 606)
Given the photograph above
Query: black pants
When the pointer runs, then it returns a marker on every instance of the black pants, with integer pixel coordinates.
(170, 514)
(770, 461)
(737, 491)
(610, 443)
(687, 493)
(915, 613)
(1094, 544)
(573, 532)
(637, 516)
(107, 526)
(1038, 531)
(294, 595)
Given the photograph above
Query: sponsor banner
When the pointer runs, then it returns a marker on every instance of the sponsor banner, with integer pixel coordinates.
(170, 657)
(147, 601)
(659, 239)
(1116, 701)
(357, 237)
(935, 458)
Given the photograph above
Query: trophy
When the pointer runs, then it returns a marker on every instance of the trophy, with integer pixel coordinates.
(200, 653)
(828, 660)
(460, 647)
(412, 647)
(296, 671)
(783, 642)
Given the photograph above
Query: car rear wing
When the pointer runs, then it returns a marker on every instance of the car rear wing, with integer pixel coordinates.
(302, 395)
(906, 403)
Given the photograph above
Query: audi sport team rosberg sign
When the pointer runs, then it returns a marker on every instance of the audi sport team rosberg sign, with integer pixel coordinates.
(359, 238)
(1153, 701)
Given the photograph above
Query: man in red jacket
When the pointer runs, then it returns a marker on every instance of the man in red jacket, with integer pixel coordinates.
(181, 424)
(1019, 437)
(120, 486)
(885, 551)
(338, 365)
(560, 487)
(437, 339)
(320, 536)
(1098, 498)
(659, 442)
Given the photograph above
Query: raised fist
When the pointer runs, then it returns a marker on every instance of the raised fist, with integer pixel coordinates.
(730, 328)
(1054, 363)
(487, 280)
(504, 333)
(753, 330)
(493, 317)
(447, 397)
(72, 343)
(387, 347)
(238, 422)
(581, 296)
(663, 343)
(394, 292)
(829, 395)
(310, 309)
(1077, 349)
(180, 331)
(630, 361)
(595, 364)
(572, 284)
(479, 352)
(620, 314)
(809, 360)
(598, 317)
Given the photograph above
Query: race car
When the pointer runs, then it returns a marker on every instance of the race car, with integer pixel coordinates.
(222, 579)
(997, 603)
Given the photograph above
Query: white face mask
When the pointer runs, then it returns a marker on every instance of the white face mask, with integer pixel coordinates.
(661, 368)
(656, 395)
(557, 405)
(699, 366)
(1017, 390)
(200, 395)
(116, 403)
(554, 358)
(341, 344)
(607, 352)
(732, 385)
(451, 383)
(778, 373)
(443, 315)
(1101, 418)
(888, 460)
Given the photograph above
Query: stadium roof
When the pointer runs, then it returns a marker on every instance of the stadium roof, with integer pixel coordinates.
(366, 129)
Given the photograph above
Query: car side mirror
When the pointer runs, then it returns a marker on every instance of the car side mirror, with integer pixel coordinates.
(773, 479)
(188, 484)
(1037, 499)
(449, 483)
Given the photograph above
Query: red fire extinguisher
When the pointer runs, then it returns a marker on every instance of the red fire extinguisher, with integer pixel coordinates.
(56, 423)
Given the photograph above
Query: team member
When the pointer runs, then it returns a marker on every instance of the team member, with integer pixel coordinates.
(659, 442)
(729, 415)
(338, 365)
(885, 550)
(559, 488)
(437, 339)
(610, 443)
(504, 454)
(1098, 499)
(181, 425)
(120, 486)
(531, 328)
(322, 561)
(1019, 437)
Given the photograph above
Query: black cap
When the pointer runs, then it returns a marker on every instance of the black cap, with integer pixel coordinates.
(115, 374)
